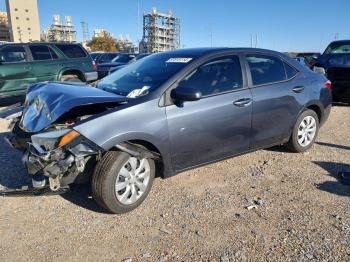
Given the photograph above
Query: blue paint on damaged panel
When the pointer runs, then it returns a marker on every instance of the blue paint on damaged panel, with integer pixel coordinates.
(46, 102)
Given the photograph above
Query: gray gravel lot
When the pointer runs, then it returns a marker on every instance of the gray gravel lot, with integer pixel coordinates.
(265, 206)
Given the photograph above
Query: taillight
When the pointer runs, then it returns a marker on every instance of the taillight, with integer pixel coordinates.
(94, 67)
(328, 84)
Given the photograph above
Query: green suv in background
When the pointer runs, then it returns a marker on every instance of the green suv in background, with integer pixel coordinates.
(24, 64)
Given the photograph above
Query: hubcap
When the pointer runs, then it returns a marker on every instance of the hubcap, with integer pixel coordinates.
(132, 180)
(307, 131)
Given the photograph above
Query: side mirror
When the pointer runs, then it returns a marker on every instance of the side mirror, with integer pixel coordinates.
(185, 94)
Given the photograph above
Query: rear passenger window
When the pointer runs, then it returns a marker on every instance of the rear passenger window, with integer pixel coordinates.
(217, 76)
(40, 52)
(266, 69)
(290, 71)
(72, 51)
(53, 53)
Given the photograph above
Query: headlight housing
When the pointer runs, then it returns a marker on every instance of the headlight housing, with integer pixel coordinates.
(53, 139)
(320, 70)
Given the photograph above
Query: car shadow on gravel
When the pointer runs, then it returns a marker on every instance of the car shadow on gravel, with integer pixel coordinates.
(334, 145)
(334, 187)
(12, 172)
(80, 195)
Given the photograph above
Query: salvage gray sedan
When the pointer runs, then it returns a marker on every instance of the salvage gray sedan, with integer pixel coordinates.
(164, 114)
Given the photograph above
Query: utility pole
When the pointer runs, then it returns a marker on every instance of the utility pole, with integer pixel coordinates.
(336, 36)
(138, 22)
(251, 40)
(211, 36)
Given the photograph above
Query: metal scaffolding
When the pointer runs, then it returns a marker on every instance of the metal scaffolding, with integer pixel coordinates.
(61, 32)
(161, 32)
(4, 27)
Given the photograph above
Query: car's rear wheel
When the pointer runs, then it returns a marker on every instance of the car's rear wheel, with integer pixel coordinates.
(121, 182)
(304, 132)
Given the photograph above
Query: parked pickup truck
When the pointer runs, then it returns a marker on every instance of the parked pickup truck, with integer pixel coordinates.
(24, 64)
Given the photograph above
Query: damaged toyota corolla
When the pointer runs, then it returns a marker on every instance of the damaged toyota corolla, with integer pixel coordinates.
(164, 114)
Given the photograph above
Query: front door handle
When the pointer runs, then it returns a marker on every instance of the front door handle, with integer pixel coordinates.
(298, 89)
(243, 102)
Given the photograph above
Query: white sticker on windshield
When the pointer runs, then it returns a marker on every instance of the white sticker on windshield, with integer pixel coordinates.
(179, 60)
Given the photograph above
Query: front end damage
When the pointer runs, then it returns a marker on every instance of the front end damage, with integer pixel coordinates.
(54, 154)
(58, 167)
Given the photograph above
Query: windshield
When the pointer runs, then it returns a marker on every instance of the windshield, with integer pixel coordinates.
(122, 58)
(338, 48)
(145, 75)
(94, 56)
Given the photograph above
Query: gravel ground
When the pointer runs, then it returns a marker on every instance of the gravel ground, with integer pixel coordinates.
(265, 206)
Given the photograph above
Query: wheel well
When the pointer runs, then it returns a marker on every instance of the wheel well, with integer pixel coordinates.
(77, 73)
(317, 109)
(149, 146)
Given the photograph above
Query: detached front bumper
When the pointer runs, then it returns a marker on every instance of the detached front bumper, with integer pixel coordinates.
(61, 166)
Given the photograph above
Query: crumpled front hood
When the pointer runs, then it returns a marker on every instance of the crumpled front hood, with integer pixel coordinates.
(46, 102)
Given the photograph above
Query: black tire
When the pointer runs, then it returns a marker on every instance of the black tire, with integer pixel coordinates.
(104, 178)
(293, 144)
(70, 78)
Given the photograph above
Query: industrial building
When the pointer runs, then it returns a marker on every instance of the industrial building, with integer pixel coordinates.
(100, 32)
(161, 32)
(60, 31)
(4, 27)
(23, 19)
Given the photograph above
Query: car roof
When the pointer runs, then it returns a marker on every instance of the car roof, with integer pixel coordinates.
(42, 43)
(212, 50)
(340, 41)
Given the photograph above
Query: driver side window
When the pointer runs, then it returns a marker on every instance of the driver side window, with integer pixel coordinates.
(12, 54)
(216, 76)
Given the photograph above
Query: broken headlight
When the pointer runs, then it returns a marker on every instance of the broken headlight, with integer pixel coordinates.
(54, 139)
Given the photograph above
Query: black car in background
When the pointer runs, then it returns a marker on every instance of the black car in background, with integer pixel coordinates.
(309, 58)
(335, 64)
(136, 58)
(103, 57)
(120, 59)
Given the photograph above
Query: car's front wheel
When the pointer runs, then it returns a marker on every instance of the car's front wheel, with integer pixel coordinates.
(121, 182)
(304, 132)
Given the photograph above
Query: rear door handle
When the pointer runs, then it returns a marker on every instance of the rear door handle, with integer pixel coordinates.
(298, 89)
(243, 102)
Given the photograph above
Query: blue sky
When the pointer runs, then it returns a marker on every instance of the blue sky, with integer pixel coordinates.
(284, 25)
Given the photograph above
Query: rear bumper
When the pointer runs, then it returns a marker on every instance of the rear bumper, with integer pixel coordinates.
(91, 76)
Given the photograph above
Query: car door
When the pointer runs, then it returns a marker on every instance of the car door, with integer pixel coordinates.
(278, 96)
(216, 126)
(45, 64)
(15, 72)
